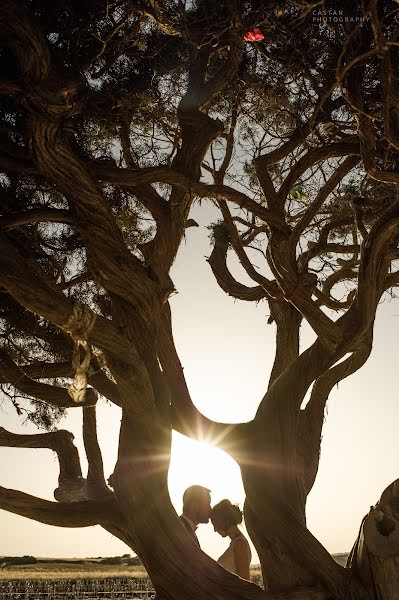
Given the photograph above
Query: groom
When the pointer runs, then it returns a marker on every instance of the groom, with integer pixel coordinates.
(196, 510)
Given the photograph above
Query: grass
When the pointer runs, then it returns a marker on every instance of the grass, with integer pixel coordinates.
(68, 570)
(90, 569)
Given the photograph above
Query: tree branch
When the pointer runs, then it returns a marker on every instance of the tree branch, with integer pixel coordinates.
(56, 396)
(45, 370)
(130, 178)
(104, 386)
(298, 289)
(49, 105)
(95, 477)
(60, 441)
(312, 417)
(323, 194)
(147, 195)
(220, 175)
(322, 242)
(186, 418)
(269, 286)
(344, 273)
(312, 158)
(288, 321)
(64, 514)
(109, 259)
(226, 281)
(374, 263)
(299, 135)
(155, 10)
(37, 296)
(51, 215)
(376, 550)
(97, 377)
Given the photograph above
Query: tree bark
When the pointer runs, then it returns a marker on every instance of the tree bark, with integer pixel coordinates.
(375, 554)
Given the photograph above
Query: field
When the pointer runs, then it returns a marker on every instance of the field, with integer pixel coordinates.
(78, 579)
(71, 570)
(84, 579)
(90, 569)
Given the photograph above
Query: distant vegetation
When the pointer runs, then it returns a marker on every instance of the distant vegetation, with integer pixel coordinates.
(110, 560)
(17, 560)
(126, 559)
(68, 564)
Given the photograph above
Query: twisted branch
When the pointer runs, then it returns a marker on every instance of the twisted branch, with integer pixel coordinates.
(64, 514)
(56, 396)
(186, 418)
(60, 441)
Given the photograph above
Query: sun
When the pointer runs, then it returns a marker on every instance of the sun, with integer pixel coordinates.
(201, 463)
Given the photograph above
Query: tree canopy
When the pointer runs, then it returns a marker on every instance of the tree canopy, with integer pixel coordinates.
(116, 117)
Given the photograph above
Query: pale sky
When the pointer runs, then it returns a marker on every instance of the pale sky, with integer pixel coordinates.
(226, 348)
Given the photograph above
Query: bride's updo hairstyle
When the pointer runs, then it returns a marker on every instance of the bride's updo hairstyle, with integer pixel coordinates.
(227, 513)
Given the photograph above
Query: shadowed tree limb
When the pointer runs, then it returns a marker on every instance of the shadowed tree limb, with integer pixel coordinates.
(226, 281)
(221, 173)
(272, 198)
(96, 485)
(104, 386)
(44, 370)
(367, 131)
(299, 135)
(297, 289)
(137, 177)
(29, 44)
(322, 242)
(198, 189)
(325, 300)
(147, 195)
(51, 394)
(200, 89)
(61, 514)
(78, 279)
(374, 557)
(157, 12)
(375, 261)
(108, 256)
(353, 324)
(112, 264)
(52, 215)
(60, 441)
(10, 88)
(392, 280)
(315, 156)
(71, 485)
(269, 286)
(288, 321)
(312, 417)
(346, 273)
(37, 296)
(198, 130)
(186, 418)
(345, 167)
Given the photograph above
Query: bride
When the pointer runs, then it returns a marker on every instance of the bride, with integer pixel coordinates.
(225, 518)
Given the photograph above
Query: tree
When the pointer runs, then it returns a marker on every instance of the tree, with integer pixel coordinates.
(295, 139)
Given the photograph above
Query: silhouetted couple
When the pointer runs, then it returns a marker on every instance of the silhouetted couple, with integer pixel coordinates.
(225, 518)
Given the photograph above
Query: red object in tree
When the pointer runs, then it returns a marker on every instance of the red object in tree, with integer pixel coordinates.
(255, 35)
